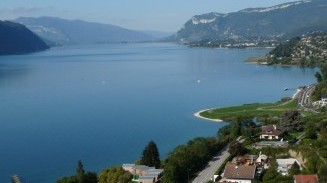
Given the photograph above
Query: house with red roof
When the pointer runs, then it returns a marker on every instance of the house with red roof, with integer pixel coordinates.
(312, 178)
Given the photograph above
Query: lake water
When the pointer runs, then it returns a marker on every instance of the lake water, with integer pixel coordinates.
(103, 103)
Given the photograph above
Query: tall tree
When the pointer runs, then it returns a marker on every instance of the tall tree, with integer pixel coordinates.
(235, 148)
(150, 155)
(80, 177)
(80, 172)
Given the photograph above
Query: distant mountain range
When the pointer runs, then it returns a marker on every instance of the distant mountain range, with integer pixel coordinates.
(256, 24)
(57, 31)
(17, 39)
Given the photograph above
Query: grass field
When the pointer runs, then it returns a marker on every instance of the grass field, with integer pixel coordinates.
(250, 110)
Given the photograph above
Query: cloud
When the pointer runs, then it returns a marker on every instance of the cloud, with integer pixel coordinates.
(9, 13)
(23, 10)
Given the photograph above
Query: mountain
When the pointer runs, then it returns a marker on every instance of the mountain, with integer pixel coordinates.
(17, 39)
(256, 24)
(67, 32)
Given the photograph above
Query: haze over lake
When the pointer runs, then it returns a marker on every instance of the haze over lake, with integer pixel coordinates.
(103, 103)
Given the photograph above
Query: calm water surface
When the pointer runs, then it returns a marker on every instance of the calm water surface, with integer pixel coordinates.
(102, 103)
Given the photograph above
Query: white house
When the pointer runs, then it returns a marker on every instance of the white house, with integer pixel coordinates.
(284, 165)
(271, 132)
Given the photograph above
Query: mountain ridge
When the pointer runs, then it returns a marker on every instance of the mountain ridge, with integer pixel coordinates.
(255, 24)
(61, 31)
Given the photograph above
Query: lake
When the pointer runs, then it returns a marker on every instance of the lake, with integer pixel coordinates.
(103, 103)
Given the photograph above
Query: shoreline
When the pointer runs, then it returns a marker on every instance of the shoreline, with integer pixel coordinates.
(296, 93)
(197, 114)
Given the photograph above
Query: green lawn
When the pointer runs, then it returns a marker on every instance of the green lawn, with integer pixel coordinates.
(250, 110)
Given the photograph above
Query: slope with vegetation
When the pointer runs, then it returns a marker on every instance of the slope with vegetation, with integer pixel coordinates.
(307, 51)
(321, 88)
(17, 39)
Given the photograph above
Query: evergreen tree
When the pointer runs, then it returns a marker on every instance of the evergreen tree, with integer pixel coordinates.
(80, 172)
(80, 177)
(150, 155)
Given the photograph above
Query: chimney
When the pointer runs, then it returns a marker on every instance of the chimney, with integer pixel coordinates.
(274, 127)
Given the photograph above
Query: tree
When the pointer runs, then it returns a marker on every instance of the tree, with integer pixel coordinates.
(291, 120)
(236, 127)
(322, 173)
(224, 134)
(318, 77)
(235, 148)
(270, 174)
(310, 131)
(187, 160)
(80, 172)
(295, 169)
(91, 177)
(71, 179)
(114, 175)
(150, 155)
(313, 163)
(80, 177)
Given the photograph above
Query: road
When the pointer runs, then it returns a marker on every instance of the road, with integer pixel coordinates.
(213, 165)
(304, 98)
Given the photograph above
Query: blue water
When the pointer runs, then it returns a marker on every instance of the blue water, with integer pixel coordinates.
(103, 103)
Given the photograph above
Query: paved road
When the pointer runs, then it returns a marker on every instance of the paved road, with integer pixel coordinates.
(208, 173)
(213, 165)
(304, 98)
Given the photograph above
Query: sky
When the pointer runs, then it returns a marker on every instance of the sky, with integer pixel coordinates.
(157, 15)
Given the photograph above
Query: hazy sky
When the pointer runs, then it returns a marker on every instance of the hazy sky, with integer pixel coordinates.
(160, 15)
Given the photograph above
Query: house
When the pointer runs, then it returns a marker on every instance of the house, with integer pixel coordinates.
(142, 173)
(262, 162)
(284, 165)
(238, 173)
(320, 103)
(271, 132)
(313, 178)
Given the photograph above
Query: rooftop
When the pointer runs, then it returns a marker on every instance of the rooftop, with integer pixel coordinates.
(234, 171)
(272, 130)
(312, 178)
(289, 161)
